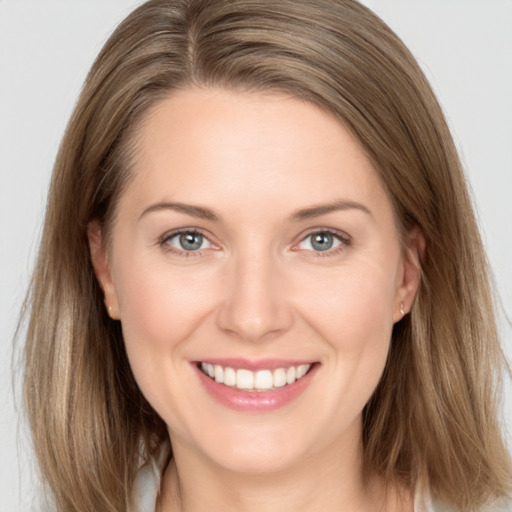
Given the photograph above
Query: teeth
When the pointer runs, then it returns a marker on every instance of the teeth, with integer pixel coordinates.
(302, 370)
(290, 375)
(261, 380)
(280, 378)
(219, 373)
(244, 379)
(229, 377)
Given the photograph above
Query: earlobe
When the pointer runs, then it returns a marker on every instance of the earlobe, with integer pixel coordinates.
(414, 254)
(101, 267)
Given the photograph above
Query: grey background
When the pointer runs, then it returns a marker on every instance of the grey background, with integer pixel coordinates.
(46, 48)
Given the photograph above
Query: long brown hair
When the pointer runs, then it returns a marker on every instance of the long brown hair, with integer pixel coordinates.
(433, 420)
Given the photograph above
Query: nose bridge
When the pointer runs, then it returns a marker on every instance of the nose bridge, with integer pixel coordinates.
(255, 305)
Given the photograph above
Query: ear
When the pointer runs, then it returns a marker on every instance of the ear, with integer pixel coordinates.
(97, 248)
(410, 276)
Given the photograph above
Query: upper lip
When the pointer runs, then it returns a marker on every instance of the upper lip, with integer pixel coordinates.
(254, 364)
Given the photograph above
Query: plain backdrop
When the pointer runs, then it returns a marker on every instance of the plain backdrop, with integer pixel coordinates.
(46, 48)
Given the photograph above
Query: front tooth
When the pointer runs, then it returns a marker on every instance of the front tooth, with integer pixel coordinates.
(219, 374)
(263, 379)
(229, 377)
(211, 370)
(290, 375)
(302, 370)
(244, 379)
(279, 378)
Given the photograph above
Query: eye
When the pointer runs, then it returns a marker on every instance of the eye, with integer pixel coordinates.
(324, 241)
(189, 241)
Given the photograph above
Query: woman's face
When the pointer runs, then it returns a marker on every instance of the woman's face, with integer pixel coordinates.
(255, 242)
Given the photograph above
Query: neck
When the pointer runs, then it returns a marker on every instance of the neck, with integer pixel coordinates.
(329, 481)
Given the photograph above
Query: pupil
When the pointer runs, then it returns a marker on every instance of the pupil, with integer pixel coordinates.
(322, 241)
(191, 241)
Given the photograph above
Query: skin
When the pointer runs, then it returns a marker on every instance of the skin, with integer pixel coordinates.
(257, 289)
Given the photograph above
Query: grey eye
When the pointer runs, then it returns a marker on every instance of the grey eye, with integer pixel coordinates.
(191, 241)
(188, 241)
(322, 241)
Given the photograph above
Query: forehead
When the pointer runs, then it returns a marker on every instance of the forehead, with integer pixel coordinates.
(246, 149)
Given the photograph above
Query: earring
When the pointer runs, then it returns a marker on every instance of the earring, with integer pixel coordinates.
(402, 310)
(109, 309)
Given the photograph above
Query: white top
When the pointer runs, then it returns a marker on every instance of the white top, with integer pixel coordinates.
(146, 488)
(148, 483)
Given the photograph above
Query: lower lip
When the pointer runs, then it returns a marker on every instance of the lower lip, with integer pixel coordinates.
(255, 401)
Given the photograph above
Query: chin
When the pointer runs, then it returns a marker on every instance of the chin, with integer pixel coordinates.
(260, 453)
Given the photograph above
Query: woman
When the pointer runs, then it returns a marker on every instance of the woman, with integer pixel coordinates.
(260, 272)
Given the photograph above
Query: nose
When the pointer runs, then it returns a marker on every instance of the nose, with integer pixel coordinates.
(255, 305)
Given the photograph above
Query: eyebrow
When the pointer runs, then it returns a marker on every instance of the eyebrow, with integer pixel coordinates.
(312, 212)
(188, 209)
(323, 209)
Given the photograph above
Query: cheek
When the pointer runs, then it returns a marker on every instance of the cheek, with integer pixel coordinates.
(353, 306)
(353, 314)
(160, 309)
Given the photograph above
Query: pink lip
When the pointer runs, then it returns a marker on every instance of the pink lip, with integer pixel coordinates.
(254, 401)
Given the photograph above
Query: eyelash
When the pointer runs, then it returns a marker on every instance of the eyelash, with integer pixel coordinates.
(345, 241)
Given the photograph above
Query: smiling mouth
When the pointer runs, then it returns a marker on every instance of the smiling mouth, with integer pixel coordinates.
(261, 380)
